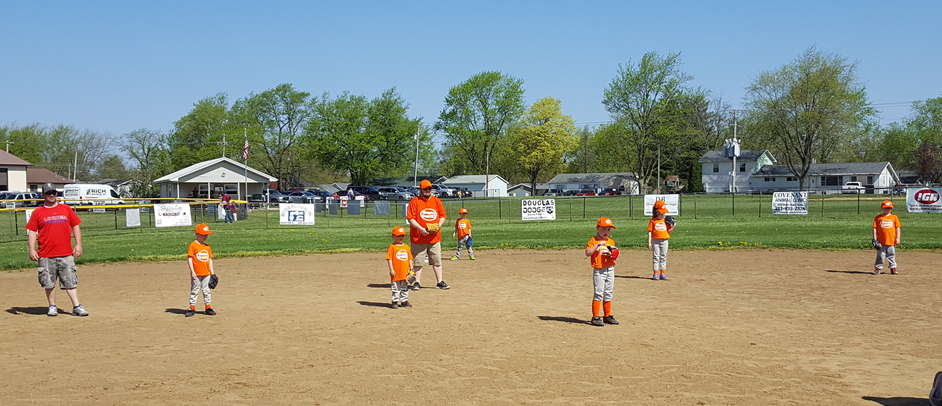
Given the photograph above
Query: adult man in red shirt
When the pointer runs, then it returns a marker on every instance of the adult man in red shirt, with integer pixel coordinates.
(53, 225)
(426, 214)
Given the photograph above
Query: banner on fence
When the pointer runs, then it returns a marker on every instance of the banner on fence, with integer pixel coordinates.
(99, 211)
(132, 217)
(790, 203)
(296, 214)
(672, 204)
(924, 200)
(172, 215)
(538, 209)
(28, 214)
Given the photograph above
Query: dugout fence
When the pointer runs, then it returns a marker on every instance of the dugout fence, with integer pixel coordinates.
(115, 219)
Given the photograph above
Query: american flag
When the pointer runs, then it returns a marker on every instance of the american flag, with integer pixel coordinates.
(245, 150)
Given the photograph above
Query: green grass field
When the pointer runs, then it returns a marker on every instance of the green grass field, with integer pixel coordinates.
(706, 222)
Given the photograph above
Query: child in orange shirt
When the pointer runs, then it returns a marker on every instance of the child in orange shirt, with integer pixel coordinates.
(199, 258)
(886, 237)
(602, 254)
(659, 233)
(399, 259)
(463, 233)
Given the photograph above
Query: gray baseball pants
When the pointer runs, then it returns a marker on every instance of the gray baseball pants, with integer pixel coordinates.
(659, 248)
(201, 282)
(603, 280)
(400, 291)
(463, 242)
(887, 252)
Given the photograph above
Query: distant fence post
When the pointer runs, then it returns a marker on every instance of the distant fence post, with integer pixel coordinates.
(734, 203)
(695, 206)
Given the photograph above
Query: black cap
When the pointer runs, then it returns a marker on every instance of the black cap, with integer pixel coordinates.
(49, 187)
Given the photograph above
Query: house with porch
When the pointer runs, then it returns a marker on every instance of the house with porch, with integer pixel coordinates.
(12, 172)
(209, 179)
(624, 182)
(479, 185)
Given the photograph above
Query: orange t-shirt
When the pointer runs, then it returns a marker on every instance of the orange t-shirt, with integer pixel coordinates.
(401, 257)
(886, 228)
(658, 229)
(597, 259)
(463, 227)
(425, 212)
(201, 254)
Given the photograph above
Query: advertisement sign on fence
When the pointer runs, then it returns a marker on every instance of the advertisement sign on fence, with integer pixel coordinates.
(672, 203)
(924, 200)
(295, 214)
(172, 215)
(538, 209)
(790, 203)
(132, 217)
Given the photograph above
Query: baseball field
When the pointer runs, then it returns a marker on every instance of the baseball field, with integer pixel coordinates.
(730, 327)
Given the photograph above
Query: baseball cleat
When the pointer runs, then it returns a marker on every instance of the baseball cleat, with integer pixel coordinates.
(663, 277)
(876, 271)
(417, 286)
(655, 277)
(189, 313)
(893, 271)
(455, 258)
(53, 311)
(79, 311)
(394, 305)
(597, 321)
(406, 304)
(442, 285)
(210, 312)
(472, 258)
(609, 320)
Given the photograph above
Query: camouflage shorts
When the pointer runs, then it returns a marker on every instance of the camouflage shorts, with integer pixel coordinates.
(62, 268)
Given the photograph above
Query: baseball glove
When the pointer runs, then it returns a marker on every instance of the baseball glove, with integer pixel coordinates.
(670, 220)
(614, 251)
(410, 279)
(213, 281)
(470, 240)
(876, 244)
(432, 227)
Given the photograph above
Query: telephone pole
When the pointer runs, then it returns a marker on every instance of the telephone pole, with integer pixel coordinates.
(8, 144)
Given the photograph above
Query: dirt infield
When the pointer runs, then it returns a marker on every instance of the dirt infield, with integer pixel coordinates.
(742, 327)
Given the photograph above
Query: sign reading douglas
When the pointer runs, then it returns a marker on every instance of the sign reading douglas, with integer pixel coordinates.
(538, 209)
(790, 203)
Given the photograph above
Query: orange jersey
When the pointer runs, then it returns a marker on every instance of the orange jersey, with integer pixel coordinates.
(425, 212)
(401, 257)
(658, 229)
(597, 259)
(463, 227)
(886, 228)
(201, 255)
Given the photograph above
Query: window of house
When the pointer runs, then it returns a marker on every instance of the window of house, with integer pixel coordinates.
(853, 178)
(716, 168)
(773, 179)
(788, 179)
(870, 180)
(742, 167)
(766, 179)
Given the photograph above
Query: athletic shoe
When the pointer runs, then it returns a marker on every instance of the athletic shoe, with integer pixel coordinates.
(53, 311)
(210, 312)
(610, 320)
(417, 286)
(442, 285)
(394, 305)
(876, 271)
(893, 271)
(597, 321)
(472, 258)
(655, 277)
(455, 258)
(663, 277)
(79, 311)
(406, 304)
(189, 313)
(426, 258)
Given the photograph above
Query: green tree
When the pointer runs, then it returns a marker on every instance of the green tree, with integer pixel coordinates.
(582, 157)
(645, 100)
(476, 117)
(112, 167)
(542, 138)
(808, 108)
(149, 153)
(198, 136)
(364, 138)
(275, 120)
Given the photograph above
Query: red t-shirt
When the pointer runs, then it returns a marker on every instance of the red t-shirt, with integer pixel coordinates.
(54, 225)
(425, 212)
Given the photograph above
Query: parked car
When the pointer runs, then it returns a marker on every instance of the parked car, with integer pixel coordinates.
(609, 192)
(370, 193)
(320, 195)
(571, 192)
(20, 199)
(275, 196)
(411, 189)
(852, 187)
(394, 193)
(443, 191)
(302, 197)
(586, 192)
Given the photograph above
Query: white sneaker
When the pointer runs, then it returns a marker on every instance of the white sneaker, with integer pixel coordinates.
(53, 312)
(79, 311)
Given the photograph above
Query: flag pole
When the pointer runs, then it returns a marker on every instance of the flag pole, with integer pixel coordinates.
(245, 157)
(415, 174)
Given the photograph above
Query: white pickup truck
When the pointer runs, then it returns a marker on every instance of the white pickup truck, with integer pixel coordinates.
(852, 187)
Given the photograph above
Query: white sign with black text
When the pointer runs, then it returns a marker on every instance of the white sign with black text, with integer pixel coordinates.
(172, 215)
(296, 214)
(790, 203)
(924, 199)
(538, 209)
(672, 202)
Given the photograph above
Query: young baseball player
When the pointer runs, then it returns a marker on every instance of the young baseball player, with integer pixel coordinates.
(602, 255)
(886, 237)
(199, 257)
(399, 259)
(463, 233)
(659, 232)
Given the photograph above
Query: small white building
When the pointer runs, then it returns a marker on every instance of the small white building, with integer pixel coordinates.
(12, 172)
(215, 176)
(624, 182)
(480, 185)
(717, 170)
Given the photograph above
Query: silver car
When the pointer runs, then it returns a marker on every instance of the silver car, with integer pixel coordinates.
(394, 193)
(302, 197)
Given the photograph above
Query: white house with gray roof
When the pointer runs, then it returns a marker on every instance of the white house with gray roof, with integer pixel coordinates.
(625, 182)
(479, 185)
(756, 171)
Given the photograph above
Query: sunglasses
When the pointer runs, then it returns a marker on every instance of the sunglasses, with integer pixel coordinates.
(428, 188)
(50, 193)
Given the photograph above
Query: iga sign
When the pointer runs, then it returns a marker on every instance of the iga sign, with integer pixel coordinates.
(538, 209)
(924, 200)
(790, 203)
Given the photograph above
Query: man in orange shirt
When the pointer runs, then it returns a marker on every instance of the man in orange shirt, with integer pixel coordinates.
(426, 214)
(886, 237)
(199, 257)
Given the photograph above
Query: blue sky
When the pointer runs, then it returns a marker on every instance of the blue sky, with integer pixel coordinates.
(119, 66)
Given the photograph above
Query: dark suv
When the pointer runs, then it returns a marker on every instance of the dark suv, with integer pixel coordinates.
(369, 192)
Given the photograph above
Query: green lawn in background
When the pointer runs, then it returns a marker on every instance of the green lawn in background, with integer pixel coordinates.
(831, 224)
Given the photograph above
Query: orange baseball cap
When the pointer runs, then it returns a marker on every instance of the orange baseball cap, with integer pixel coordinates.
(887, 203)
(425, 184)
(605, 222)
(203, 229)
(463, 211)
(399, 230)
(659, 206)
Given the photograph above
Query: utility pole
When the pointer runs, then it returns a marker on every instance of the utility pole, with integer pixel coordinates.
(415, 173)
(658, 168)
(223, 143)
(731, 150)
(8, 144)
